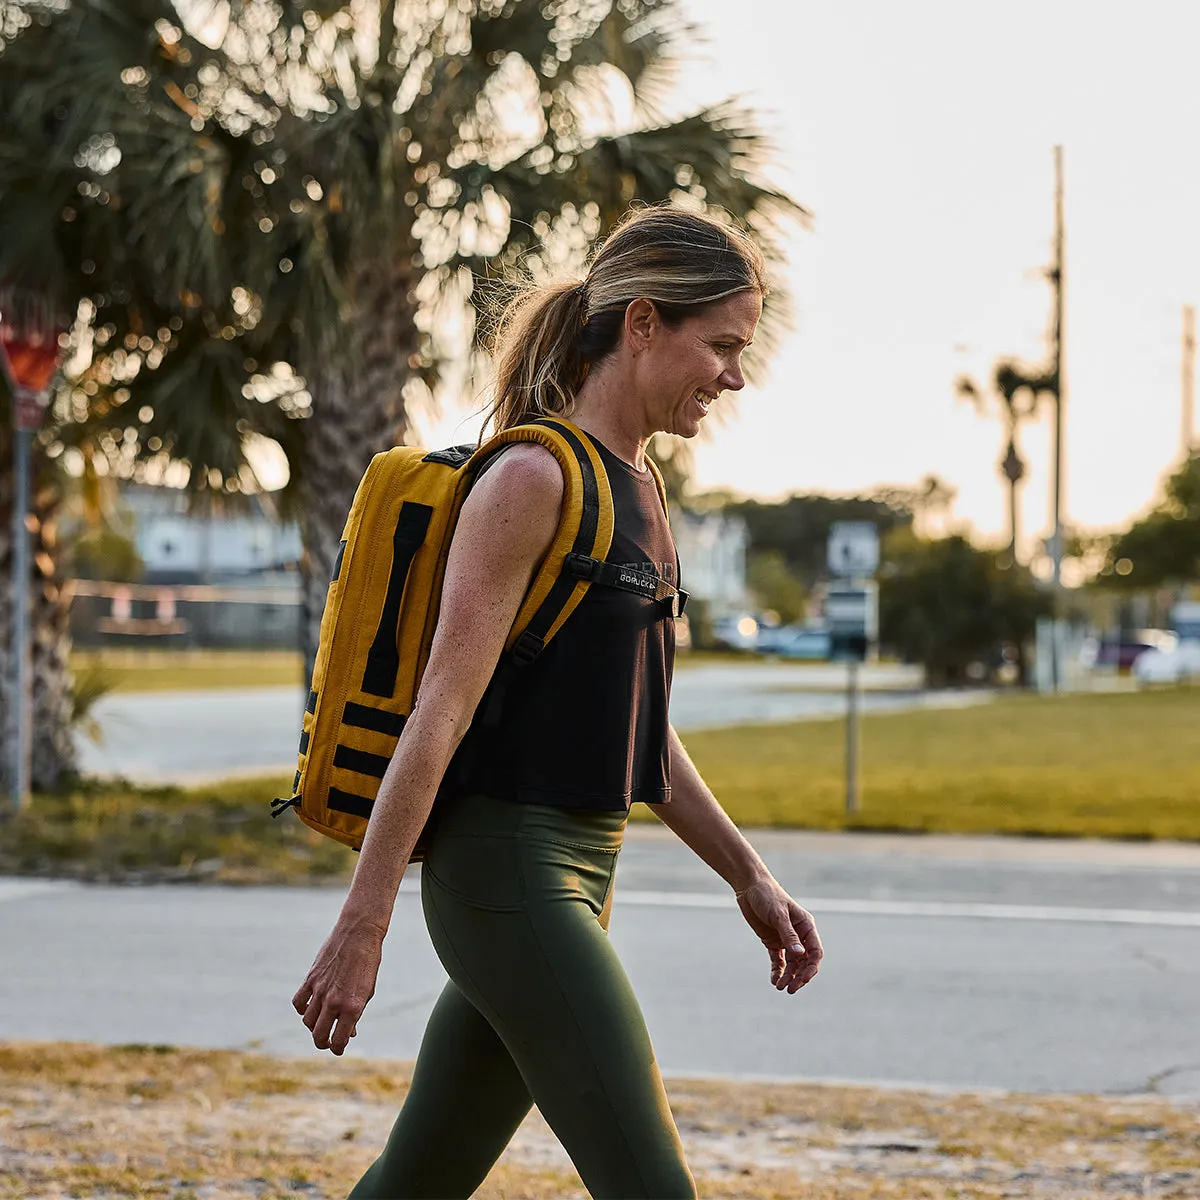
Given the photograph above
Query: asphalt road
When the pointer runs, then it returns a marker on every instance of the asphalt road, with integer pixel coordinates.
(950, 961)
(191, 736)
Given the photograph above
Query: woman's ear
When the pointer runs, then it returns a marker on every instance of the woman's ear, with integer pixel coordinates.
(641, 322)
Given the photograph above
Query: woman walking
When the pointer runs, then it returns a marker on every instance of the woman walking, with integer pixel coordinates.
(523, 841)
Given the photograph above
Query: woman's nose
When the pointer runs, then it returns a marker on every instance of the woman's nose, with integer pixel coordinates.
(733, 379)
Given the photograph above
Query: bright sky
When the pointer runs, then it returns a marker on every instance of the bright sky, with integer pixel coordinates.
(921, 135)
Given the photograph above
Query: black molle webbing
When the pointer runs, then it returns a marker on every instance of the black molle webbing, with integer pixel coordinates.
(304, 741)
(337, 562)
(361, 761)
(311, 705)
(383, 659)
(361, 717)
(348, 802)
(627, 579)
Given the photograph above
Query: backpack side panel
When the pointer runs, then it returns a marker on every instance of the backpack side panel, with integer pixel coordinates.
(374, 636)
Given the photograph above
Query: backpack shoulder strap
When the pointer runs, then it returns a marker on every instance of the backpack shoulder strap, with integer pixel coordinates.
(585, 527)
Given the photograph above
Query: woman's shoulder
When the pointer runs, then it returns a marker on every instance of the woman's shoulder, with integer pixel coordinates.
(521, 474)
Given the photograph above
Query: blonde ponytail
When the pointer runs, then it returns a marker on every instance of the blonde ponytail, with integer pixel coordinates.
(539, 367)
(548, 337)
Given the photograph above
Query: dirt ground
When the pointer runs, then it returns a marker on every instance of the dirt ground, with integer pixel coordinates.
(142, 1121)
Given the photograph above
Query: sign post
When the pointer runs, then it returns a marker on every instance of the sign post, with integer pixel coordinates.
(29, 354)
(853, 787)
(852, 615)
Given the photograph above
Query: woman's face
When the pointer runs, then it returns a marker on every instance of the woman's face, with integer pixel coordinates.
(685, 367)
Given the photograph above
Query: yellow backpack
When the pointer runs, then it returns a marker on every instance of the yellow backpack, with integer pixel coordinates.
(382, 607)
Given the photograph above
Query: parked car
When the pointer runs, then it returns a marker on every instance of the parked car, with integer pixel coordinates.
(797, 641)
(1124, 652)
(1169, 666)
(738, 632)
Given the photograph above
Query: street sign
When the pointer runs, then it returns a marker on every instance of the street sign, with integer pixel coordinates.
(852, 618)
(853, 548)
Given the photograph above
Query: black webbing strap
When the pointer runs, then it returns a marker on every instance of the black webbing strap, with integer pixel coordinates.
(348, 802)
(627, 579)
(383, 659)
(361, 717)
(361, 761)
(551, 608)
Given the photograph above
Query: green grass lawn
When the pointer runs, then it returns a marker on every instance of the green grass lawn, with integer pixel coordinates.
(1125, 765)
(132, 670)
(172, 670)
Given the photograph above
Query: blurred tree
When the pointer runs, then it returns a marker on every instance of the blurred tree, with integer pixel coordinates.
(105, 553)
(950, 606)
(930, 502)
(775, 585)
(272, 218)
(798, 528)
(1164, 546)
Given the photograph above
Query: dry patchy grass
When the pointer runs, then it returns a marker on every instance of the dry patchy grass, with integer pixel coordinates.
(82, 1121)
(223, 833)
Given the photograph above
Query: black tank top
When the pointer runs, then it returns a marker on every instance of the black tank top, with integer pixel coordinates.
(585, 724)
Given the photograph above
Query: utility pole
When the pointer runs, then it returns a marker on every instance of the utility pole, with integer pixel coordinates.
(1057, 279)
(1189, 380)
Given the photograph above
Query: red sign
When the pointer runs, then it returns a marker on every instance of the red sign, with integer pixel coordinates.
(29, 358)
(31, 361)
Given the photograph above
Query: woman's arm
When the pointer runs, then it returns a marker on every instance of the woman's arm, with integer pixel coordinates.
(505, 529)
(786, 929)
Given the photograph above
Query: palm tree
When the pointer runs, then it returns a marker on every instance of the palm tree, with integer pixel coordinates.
(277, 217)
(1017, 391)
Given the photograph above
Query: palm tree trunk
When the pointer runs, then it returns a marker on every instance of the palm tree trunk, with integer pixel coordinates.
(53, 759)
(358, 411)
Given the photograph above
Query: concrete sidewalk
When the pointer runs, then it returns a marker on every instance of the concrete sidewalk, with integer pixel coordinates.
(1019, 963)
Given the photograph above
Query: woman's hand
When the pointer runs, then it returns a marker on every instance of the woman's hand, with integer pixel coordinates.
(787, 930)
(338, 985)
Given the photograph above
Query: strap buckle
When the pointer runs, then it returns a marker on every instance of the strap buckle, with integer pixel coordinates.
(526, 648)
(582, 566)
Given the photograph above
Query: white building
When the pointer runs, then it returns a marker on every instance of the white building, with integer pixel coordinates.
(712, 559)
(176, 544)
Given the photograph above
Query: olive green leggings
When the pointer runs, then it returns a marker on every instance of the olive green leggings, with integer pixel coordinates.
(538, 1010)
